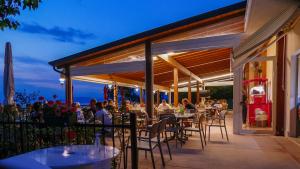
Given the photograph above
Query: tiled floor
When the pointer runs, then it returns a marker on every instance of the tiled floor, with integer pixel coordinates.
(242, 152)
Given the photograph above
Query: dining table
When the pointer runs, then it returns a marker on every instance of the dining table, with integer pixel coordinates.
(181, 117)
(66, 157)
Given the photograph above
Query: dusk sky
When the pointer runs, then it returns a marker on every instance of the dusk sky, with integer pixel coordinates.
(59, 28)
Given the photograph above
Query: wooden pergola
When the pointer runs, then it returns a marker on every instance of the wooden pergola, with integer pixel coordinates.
(186, 51)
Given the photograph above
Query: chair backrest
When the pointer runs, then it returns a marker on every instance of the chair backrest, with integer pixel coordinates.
(171, 118)
(222, 114)
(154, 130)
(163, 124)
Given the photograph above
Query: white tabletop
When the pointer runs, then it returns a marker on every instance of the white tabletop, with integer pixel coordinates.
(185, 115)
(83, 156)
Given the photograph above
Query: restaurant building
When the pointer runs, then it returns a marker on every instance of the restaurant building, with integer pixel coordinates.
(254, 39)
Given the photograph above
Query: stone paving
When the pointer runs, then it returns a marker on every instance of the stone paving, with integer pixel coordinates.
(242, 152)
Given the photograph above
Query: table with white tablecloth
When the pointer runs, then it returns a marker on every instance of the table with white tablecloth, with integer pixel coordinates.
(67, 157)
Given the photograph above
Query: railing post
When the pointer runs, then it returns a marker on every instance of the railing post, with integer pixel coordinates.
(134, 151)
(21, 136)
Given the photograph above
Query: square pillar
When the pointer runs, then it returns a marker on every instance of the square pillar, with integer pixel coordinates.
(149, 79)
(189, 90)
(116, 95)
(68, 86)
(141, 96)
(237, 99)
(175, 87)
(198, 93)
(157, 97)
(170, 97)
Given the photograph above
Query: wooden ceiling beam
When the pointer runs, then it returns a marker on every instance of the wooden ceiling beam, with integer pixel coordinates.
(218, 72)
(181, 68)
(113, 78)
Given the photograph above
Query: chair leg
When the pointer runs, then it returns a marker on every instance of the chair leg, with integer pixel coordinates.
(201, 139)
(181, 138)
(176, 137)
(221, 132)
(161, 154)
(126, 156)
(168, 147)
(205, 133)
(202, 130)
(152, 158)
(226, 133)
(208, 133)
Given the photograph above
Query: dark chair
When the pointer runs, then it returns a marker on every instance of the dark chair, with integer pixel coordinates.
(149, 143)
(162, 131)
(197, 126)
(217, 121)
(173, 126)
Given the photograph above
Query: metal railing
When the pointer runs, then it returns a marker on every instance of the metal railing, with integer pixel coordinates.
(20, 135)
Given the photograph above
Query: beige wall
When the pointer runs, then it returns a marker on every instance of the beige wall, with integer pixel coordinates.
(293, 44)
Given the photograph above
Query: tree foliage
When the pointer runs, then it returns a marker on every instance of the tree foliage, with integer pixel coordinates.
(23, 98)
(9, 9)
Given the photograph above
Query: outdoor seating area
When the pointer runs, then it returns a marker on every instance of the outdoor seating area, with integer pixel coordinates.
(218, 90)
(102, 126)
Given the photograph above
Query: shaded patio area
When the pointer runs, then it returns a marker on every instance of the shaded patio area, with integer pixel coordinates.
(242, 152)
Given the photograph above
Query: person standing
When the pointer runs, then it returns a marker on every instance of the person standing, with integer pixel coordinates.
(244, 107)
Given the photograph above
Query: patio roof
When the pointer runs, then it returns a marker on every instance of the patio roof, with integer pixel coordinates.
(163, 33)
(199, 47)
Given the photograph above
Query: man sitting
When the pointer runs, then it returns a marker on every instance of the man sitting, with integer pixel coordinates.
(163, 105)
(187, 105)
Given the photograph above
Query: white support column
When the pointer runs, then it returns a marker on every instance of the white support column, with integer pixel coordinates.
(237, 99)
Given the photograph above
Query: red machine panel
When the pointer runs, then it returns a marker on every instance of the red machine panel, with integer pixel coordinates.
(259, 108)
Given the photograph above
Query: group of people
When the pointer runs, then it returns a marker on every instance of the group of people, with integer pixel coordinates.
(185, 103)
(100, 111)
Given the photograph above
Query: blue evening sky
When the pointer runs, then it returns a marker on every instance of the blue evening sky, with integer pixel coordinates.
(59, 28)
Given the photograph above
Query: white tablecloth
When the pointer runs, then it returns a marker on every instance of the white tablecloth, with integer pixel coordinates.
(75, 156)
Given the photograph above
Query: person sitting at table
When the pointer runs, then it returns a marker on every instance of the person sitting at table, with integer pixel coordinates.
(128, 106)
(105, 103)
(187, 105)
(218, 105)
(103, 115)
(80, 115)
(110, 106)
(163, 105)
(92, 106)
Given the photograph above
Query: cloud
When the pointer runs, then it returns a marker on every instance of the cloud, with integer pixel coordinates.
(70, 35)
(44, 84)
(31, 60)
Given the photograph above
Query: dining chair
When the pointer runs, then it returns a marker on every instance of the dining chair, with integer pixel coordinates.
(219, 120)
(173, 126)
(162, 131)
(149, 143)
(197, 126)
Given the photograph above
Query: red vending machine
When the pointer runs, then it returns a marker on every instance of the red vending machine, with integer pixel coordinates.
(259, 107)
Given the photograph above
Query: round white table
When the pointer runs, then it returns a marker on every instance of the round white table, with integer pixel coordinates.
(74, 156)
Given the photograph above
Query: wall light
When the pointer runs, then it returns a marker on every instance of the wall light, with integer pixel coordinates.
(62, 79)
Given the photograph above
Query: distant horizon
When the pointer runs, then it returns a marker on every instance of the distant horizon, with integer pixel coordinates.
(60, 28)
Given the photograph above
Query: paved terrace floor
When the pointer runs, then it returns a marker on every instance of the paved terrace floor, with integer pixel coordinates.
(242, 152)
